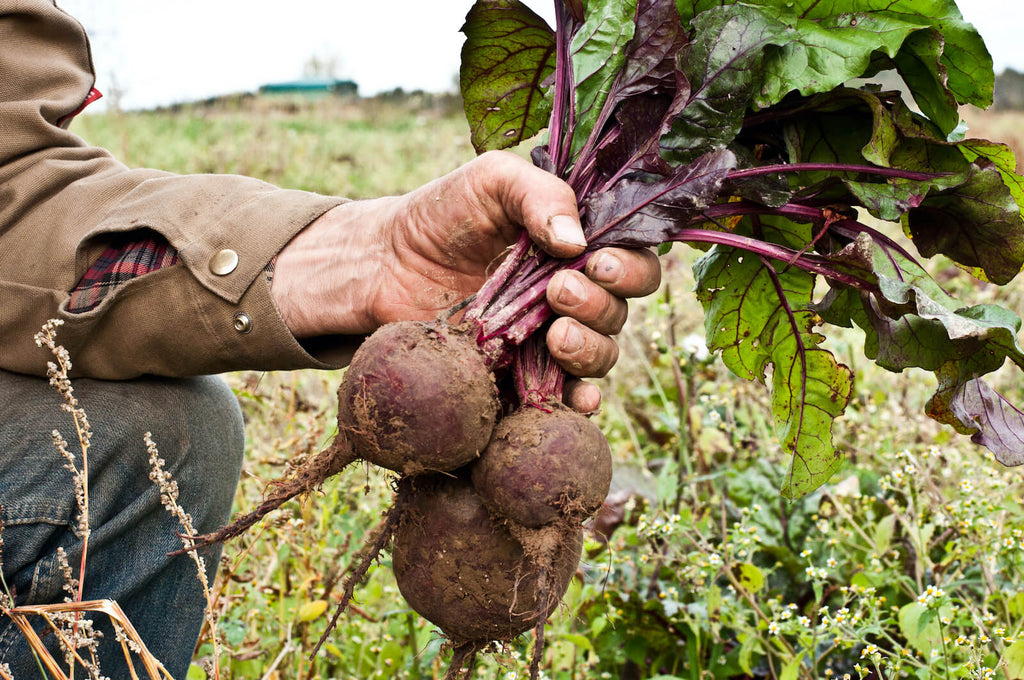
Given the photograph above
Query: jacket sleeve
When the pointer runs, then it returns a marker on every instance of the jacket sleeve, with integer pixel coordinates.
(62, 202)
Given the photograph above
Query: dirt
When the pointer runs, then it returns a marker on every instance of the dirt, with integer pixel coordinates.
(468, 573)
(542, 466)
(418, 397)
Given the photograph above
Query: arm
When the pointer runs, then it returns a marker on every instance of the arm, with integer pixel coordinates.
(63, 202)
(355, 266)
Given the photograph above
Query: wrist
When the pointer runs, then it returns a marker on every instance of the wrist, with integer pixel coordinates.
(326, 277)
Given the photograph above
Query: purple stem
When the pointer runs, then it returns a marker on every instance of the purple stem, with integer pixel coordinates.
(538, 379)
(496, 281)
(529, 310)
(850, 229)
(809, 263)
(834, 167)
(563, 115)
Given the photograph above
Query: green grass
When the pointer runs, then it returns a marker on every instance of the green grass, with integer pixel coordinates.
(333, 147)
(908, 564)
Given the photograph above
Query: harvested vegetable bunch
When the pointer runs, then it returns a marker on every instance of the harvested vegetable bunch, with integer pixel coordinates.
(732, 127)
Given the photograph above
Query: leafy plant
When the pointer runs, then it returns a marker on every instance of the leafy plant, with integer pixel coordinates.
(738, 128)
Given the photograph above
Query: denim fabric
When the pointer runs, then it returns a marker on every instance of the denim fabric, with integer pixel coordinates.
(197, 425)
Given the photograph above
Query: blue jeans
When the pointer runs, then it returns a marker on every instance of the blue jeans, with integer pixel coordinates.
(197, 425)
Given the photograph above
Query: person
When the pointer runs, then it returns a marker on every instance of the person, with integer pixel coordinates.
(164, 281)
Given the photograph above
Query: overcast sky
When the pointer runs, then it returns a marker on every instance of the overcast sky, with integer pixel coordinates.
(160, 53)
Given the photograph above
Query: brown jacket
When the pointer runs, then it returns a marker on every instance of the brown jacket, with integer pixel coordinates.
(61, 201)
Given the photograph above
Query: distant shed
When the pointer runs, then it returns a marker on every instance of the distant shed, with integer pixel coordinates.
(312, 87)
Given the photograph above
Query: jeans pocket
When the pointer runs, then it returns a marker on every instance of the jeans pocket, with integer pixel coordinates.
(33, 529)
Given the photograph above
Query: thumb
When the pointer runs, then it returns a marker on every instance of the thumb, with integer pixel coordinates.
(542, 203)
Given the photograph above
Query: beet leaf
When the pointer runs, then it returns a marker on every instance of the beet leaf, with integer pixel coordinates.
(508, 53)
(735, 127)
(756, 314)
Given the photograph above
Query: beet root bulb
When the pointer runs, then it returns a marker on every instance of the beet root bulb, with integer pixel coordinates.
(469, 574)
(418, 397)
(544, 464)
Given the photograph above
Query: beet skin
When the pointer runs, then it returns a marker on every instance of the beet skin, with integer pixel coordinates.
(466, 572)
(418, 397)
(544, 464)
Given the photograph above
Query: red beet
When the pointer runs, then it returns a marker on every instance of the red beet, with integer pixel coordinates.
(544, 463)
(471, 575)
(418, 397)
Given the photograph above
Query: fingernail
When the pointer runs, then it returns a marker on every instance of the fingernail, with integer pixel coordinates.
(606, 268)
(572, 342)
(572, 292)
(567, 230)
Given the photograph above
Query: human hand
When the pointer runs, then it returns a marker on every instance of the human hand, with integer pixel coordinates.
(367, 263)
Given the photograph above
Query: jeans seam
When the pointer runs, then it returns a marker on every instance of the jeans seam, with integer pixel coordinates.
(45, 512)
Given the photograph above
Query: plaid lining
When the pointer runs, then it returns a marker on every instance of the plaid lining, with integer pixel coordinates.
(117, 265)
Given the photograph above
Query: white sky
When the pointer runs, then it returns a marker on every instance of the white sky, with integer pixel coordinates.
(161, 53)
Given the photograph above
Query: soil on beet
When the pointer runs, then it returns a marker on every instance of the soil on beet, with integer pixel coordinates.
(543, 465)
(418, 397)
(466, 572)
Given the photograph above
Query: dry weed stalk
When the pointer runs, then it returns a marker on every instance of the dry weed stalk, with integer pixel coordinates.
(129, 638)
(169, 499)
(59, 380)
(5, 595)
(65, 619)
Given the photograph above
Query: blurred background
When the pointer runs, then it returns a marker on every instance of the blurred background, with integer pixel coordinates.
(156, 54)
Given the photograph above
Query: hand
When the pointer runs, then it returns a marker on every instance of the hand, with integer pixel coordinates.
(367, 263)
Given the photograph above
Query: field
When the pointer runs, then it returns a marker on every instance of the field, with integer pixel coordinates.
(910, 563)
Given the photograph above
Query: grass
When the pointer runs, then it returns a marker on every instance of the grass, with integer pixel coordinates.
(906, 565)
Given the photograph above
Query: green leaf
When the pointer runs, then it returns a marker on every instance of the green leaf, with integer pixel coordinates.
(196, 673)
(970, 212)
(1002, 158)
(598, 54)
(828, 50)
(748, 645)
(751, 577)
(883, 533)
(976, 222)
(791, 671)
(965, 64)
(912, 322)
(758, 317)
(714, 601)
(920, 627)
(1013, 657)
(843, 126)
(580, 641)
(636, 649)
(1016, 605)
(723, 67)
(956, 60)
(919, 62)
(312, 610)
(508, 53)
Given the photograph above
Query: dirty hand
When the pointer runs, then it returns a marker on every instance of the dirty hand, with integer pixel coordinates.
(367, 263)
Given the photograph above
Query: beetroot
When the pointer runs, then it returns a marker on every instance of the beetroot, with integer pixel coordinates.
(544, 462)
(418, 397)
(470, 574)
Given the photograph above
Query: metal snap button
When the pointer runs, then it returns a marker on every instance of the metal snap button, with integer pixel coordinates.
(224, 262)
(243, 324)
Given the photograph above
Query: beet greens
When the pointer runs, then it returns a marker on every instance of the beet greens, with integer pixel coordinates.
(754, 131)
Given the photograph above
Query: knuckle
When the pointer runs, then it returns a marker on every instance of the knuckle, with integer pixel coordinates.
(651, 280)
(612, 314)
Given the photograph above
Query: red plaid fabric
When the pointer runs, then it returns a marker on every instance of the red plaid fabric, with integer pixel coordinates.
(117, 265)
